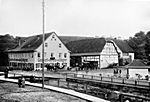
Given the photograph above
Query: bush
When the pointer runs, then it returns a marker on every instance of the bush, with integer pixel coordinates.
(112, 65)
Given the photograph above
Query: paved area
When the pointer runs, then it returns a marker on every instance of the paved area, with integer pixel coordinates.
(36, 73)
(98, 72)
(66, 91)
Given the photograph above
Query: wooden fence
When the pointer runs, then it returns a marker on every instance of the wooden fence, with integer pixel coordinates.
(95, 91)
(110, 79)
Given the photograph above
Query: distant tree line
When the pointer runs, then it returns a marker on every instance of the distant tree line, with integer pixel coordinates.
(6, 42)
(141, 45)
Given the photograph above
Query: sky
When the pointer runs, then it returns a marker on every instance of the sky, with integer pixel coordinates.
(107, 18)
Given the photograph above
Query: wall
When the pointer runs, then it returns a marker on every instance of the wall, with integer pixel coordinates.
(21, 57)
(108, 55)
(132, 56)
(21, 60)
(94, 60)
(133, 72)
(53, 46)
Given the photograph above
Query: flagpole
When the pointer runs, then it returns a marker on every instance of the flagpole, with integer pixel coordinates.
(43, 20)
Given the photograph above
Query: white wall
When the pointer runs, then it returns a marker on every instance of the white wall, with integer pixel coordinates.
(53, 47)
(123, 55)
(133, 72)
(132, 56)
(27, 57)
(108, 55)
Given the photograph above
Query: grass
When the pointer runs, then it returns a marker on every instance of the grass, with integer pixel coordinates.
(10, 92)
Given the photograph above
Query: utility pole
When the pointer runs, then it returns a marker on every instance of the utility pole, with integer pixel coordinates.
(43, 20)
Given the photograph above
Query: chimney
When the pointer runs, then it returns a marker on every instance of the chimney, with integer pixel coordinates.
(20, 41)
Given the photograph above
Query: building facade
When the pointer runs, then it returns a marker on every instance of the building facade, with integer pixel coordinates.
(137, 69)
(109, 55)
(126, 53)
(99, 52)
(29, 53)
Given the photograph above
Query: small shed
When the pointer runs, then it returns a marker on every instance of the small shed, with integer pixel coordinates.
(137, 69)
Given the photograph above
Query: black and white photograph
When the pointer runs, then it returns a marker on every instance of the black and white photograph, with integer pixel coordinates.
(74, 50)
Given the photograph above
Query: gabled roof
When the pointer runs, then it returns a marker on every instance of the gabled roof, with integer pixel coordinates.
(86, 45)
(137, 64)
(66, 39)
(123, 45)
(31, 43)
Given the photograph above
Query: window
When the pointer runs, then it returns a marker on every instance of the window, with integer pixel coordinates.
(46, 44)
(125, 54)
(39, 54)
(38, 65)
(32, 55)
(52, 54)
(53, 36)
(149, 70)
(59, 45)
(60, 55)
(65, 55)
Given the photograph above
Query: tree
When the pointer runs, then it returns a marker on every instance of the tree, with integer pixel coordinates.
(7, 42)
(147, 45)
(138, 44)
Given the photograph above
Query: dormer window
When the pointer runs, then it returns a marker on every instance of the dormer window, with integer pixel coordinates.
(53, 36)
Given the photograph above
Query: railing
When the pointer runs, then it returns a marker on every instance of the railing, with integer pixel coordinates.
(95, 91)
(111, 79)
(101, 78)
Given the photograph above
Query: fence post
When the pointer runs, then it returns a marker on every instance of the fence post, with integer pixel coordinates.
(111, 79)
(123, 80)
(48, 82)
(75, 75)
(82, 75)
(67, 84)
(66, 75)
(135, 82)
(92, 76)
(77, 86)
(101, 78)
(14, 74)
(121, 98)
(58, 82)
(85, 88)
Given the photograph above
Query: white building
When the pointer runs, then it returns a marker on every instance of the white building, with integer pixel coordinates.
(29, 53)
(137, 69)
(99, 52)
(125, 51)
